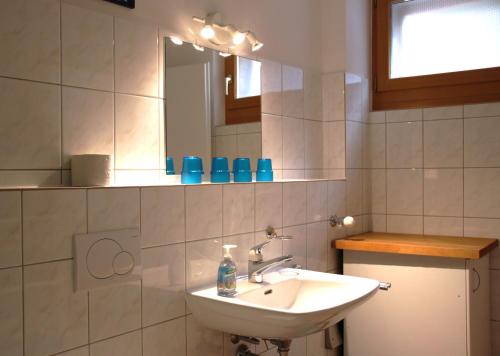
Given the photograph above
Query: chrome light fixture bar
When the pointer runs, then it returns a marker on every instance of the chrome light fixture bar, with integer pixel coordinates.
(212, 22)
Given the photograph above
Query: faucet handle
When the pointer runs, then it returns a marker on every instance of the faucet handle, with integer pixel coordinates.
(255, 253)
(272, 234)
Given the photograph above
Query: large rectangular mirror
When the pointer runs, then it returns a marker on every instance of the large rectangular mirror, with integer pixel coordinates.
(213, 105)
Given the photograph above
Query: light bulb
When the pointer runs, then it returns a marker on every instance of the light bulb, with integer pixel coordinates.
(198, 47)
(224, 54)
(207, 32)
(348, 220)
(176, 40)
(239, 37)
(258, 45)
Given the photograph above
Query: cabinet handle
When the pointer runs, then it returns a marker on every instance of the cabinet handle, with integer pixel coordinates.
(384, 285)
(474, 290)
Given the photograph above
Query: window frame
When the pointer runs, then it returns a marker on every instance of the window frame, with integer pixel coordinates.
(243, 110)
(455, 88)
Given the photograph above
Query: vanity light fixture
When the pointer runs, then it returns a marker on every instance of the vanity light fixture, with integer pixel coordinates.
(238, 37)
(341, 221)
(224, 54)
(256, 45)
(212, 22)
(176, 40)
(208, 32)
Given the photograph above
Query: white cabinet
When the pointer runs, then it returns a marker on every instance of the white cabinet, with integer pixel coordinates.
(436, 306)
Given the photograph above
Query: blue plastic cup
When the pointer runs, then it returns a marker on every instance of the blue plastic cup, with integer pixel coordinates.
(192, 170)
(241, 170)
(170, 166)
(264, 170)
(220, 170)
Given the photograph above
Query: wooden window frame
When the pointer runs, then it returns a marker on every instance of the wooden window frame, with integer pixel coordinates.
(243, 110)
(456, 88)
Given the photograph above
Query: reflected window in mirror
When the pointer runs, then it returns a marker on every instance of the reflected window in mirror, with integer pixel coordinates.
(243, 97)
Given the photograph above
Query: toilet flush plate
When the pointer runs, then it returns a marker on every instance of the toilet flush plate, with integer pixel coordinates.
(106, 258)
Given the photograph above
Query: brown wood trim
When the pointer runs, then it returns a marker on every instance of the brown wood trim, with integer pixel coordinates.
(423, 245)
(466, 87)
(239, 111)
(437, 96)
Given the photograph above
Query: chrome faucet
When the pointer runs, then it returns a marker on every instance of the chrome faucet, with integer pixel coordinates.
(256, 264)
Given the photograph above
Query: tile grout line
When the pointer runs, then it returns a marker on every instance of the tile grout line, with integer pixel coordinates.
(61, 122)
(386, 172)
(423, 171)
(88, 292)
(463, 170)
(158, 100)
(114, 99)
(23, 292)
(142, 274)
(185, 265)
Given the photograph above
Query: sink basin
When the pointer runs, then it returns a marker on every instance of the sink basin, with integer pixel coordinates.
(290, 303)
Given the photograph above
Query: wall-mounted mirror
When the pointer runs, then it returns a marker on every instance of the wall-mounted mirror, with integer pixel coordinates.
(212, 106)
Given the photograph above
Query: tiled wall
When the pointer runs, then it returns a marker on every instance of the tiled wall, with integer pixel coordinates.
(182, 232)
(437, 171)
(88, 82)
(243, 140)
(292, 126)
(76, 81)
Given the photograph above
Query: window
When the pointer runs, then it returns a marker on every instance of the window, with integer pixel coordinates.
(435, 52)
(248, 72)
(242, 102)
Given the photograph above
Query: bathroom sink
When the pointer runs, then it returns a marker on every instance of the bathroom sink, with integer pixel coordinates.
(290, 303)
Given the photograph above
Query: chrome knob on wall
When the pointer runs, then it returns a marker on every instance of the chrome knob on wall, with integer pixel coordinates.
(272, 234)
(341, 221)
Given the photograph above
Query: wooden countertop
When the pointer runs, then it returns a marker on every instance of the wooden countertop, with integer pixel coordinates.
(423, 245)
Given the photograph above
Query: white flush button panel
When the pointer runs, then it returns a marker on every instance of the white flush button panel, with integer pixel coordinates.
(106, 258)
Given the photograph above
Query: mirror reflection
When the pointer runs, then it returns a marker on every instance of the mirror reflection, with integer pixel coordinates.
(213, 105)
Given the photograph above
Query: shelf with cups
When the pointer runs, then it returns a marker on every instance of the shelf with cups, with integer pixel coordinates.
(192, 170)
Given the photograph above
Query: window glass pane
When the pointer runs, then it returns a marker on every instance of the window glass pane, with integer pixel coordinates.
(248, 78)
(441, 36)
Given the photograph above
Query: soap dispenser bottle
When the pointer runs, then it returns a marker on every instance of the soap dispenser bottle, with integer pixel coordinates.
(226, 278)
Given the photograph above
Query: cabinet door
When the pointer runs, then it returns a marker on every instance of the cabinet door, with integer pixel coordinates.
(423, 313)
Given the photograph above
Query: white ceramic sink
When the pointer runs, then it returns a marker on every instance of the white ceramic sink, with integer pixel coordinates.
(290, 303)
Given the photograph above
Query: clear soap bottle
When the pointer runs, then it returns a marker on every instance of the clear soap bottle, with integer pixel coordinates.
(226, 277)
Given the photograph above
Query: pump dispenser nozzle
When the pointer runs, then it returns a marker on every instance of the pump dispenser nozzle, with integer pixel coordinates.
(227, 250)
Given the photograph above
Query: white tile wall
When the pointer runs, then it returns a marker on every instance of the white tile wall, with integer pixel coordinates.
(11, 309)
(87, 48)
(293, 133)
(242, 140)
(55, 317)
(443, 143)
(162, 216)
(105, 321)
(10, 229)
(30, 43)
(93, 83)
(50, 219)
(88, 123)
(53, 47)
(30, 116)
(136, 58)
(458, 187)
(404, 145)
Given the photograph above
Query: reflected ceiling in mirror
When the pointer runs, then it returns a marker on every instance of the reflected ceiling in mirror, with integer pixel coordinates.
(212, 106)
